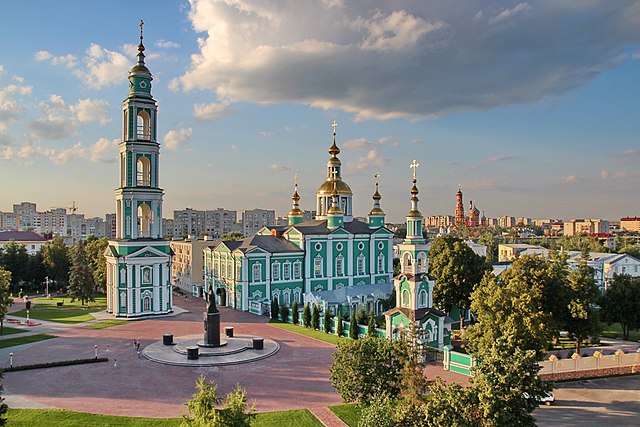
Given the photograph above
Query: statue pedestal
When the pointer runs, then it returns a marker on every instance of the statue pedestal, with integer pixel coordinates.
(211, 331)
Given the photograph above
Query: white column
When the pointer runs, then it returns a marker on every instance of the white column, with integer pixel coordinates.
(157, 286)
(129, 289)
(390, 258)
(372, 258)
(329, 262)
(350, 259)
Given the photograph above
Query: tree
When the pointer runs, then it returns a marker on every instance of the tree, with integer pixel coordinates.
(326, 322)
(306, 316)
(491, 241)
(5, 298)
(361, 316)
(284, 313)
(3, 406)
(14, 258)
(233, 235)
(621, 303)
(56, 259)
(339, 325)
(81, 284)
(201, 409)
(36, 270)
(414, 384)
(583, 319)
(367, 368)
(371, 326)
(632, 250)
(457, 270)
(315, 317)
(354, 331)
(95, 253)
(294, 313)
(275, 308)
(453, 405)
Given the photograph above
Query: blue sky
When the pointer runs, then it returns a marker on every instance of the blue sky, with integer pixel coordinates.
(532, 107)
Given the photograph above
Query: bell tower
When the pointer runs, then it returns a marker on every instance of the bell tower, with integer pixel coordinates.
(139, 259)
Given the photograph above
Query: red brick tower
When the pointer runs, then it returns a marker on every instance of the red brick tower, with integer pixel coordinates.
(459, 219)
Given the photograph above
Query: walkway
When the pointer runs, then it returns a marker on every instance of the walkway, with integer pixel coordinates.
(326, 417)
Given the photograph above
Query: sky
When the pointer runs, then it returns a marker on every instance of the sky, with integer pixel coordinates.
(530, 107)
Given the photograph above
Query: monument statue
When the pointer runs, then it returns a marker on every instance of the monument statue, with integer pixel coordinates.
(211, 318)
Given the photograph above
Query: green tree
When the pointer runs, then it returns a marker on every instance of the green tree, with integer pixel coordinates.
(5, 299)
(326, 322)
(491, 241)
(339, 324)
(315, 317)
(414, 384)
(284, 313)
(233, 235)
(632, 250)
(583, 319)
(371, 325)
(3, 406)
(306, 316)
(621, 303)
(235, 411)
(294, 313)
(14, 258)
(95, 253)
(275, 308)
(354, 331)
(36, 270)
(361, 316)
(457, 270)
(453, 405)
(368, 368)
(202, 412)
(81, 285)
(56, 259)
(510, 309)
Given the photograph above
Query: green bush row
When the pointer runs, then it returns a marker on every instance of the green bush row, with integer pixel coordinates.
(54, 364)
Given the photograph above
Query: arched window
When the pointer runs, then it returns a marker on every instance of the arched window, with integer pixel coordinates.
(143, 129)
(144, 172)
(275, 271)
(146, 304)
(296, 297)
(297, 266)
(339, 265)
(380, 263)
(422, 298)
(257, 272)
(422, 262)
(144, 220)
(317, 266)
(405, 298)
(406, 261)
(360, 265)
(287, 298)
(286, 271)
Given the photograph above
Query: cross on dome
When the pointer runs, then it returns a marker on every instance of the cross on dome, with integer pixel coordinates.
(414, 166)
(334, 125)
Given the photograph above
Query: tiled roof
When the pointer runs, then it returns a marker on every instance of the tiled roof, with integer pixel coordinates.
(319, 226)
(21, 236)
(271, 244)
(342, 295)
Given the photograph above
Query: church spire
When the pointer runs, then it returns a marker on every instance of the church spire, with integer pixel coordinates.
(335, 215)
(414, 217)
(334, 179)
(376, 216)
(295, 214)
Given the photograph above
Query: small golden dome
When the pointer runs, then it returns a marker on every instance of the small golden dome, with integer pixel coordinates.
(414, 214)
(376, 211)
(341, 187)
(296, 212)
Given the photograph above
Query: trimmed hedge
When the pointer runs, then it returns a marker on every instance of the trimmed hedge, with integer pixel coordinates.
(55, 364)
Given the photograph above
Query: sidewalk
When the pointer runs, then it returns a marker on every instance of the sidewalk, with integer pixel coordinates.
(326, 417)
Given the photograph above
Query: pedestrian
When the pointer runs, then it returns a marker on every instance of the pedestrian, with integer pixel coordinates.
(135, 341)
(115, 362)
(138, 346)
(138, 351)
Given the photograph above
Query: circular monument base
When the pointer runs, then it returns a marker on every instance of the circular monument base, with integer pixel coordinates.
(205, 345)
(237, 350)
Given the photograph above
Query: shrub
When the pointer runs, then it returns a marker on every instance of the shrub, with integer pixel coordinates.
(372, 324)
(294, 312)
(284, 313)
(275, 309)
(339, 325)
(315, 317)
(306, 316)
(361, 317)
(57, 363)
(327, 322)
(353, 326)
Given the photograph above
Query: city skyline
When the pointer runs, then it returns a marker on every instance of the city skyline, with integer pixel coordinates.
(529, 107)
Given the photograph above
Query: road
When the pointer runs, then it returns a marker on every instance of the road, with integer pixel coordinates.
(601, 402)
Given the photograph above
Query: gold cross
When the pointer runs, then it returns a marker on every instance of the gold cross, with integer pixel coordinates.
(141, 25)
(377, 175)
(334, 173)
(334, 126)
(295, 180)
(414, 166)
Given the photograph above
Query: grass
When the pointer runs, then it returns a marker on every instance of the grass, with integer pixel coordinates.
(349, 413)
(60, 417)
(10, 331)
(60, 315)
(319, 335)
(12, 342)
(107, 324)
(100, 303)
(615, 331)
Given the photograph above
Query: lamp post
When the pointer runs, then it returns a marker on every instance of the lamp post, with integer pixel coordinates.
(95, 347)
(46, 281)
(11, 360)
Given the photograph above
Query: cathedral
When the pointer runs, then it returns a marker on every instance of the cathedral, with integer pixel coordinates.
(334, 260)
(138, 260)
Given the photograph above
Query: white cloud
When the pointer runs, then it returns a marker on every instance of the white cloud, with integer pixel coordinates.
(377, 60)
(27, 153)
(606, 175)
(103, 67)
(59, 120)
(570, 179)
(357, 144)
(371, 160)
(503, 158)
(177, 138)
(278, 168)
(234, 147)
(265, 133)
(416, 141)
(69, 61)
(10, 105)
(165, 44)
(210, 112)
(104, 151)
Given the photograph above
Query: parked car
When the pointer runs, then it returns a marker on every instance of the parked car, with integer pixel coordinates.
(547, 398)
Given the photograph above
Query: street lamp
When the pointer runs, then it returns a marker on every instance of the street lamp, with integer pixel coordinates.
(46, 281)
(95, 347)
(11, 360)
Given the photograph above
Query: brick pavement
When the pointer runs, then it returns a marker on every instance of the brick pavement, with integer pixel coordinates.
(296, 377)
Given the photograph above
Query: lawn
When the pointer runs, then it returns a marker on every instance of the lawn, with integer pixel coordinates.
(615, 331)
(108, 323)
(319, 335)
(60, 315)
(10, 331)
(11, 342)
(59, 417)
(100, 303)
(349, 413)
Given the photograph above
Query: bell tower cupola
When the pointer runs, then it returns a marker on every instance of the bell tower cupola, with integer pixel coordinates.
(376, 216)
(414, 217)
(295, 214)
(324, 195)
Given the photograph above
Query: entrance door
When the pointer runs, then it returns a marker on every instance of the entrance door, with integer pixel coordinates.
(222, 293)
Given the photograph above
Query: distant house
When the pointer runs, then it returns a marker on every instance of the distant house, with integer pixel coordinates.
(32, 241)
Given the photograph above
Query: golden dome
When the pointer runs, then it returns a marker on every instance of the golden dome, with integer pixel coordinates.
(341, 187)
(376, 211)
(414, 214)
(296, 212)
